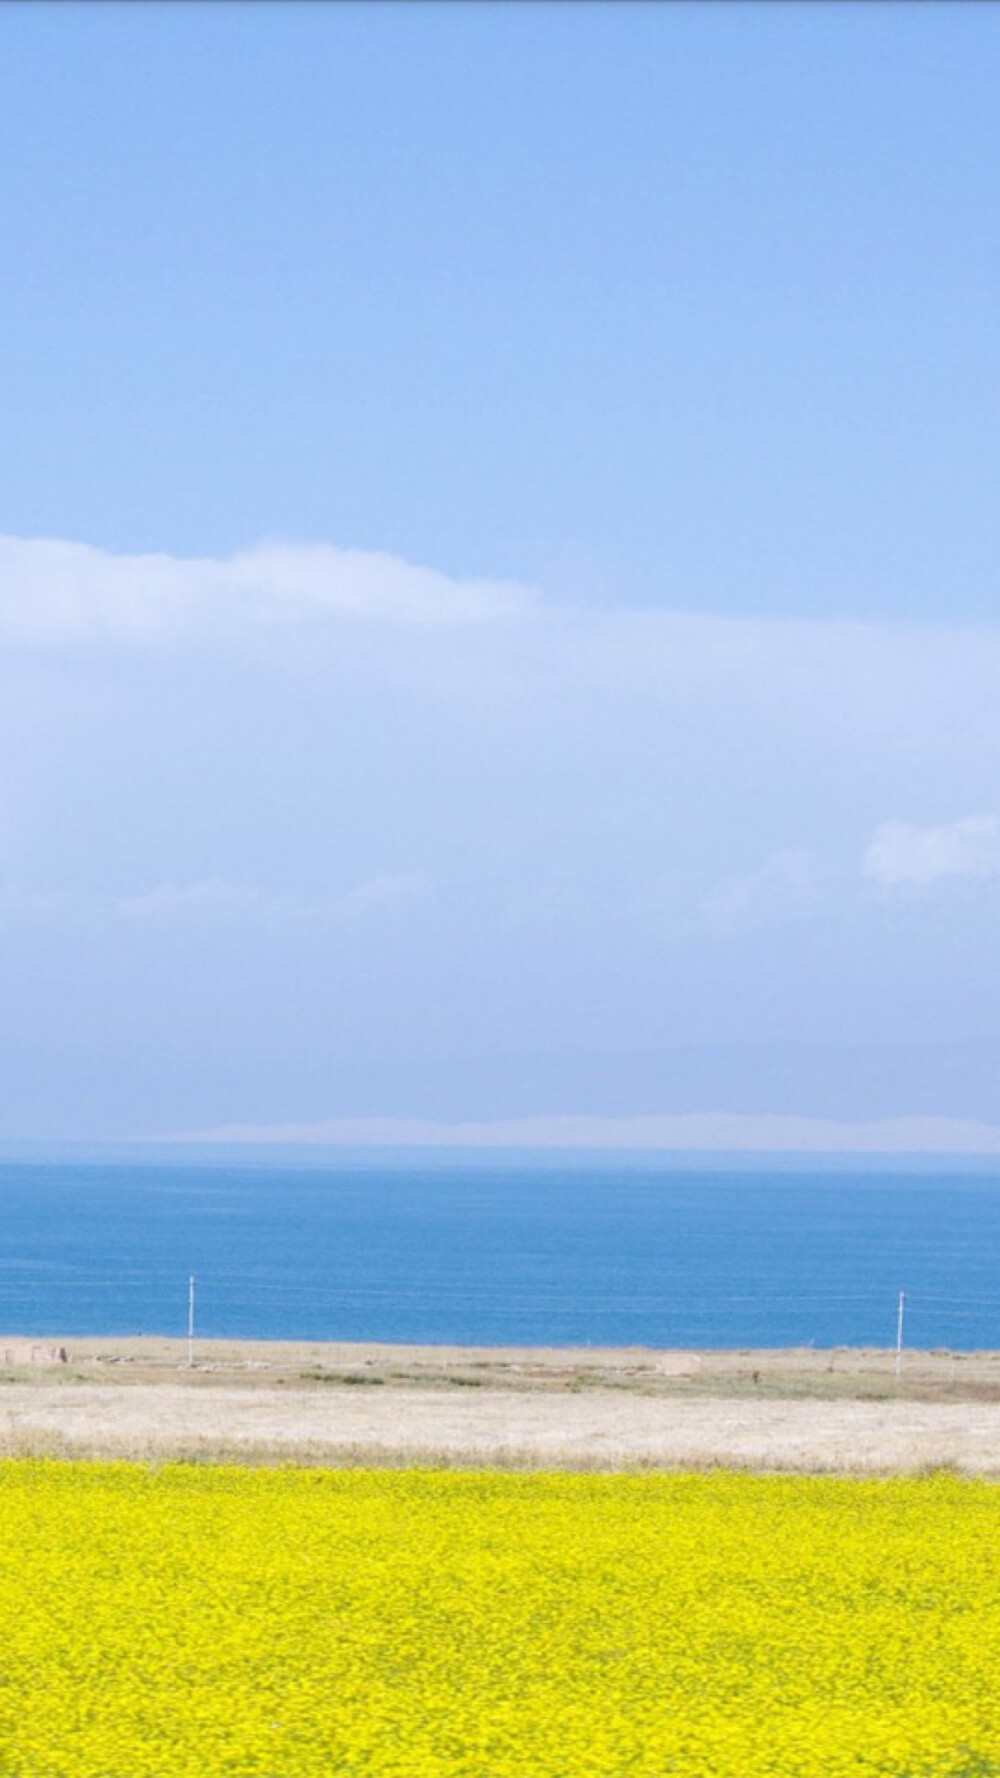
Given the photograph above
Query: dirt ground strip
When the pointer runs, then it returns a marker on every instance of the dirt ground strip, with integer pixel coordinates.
(855, 1373)
(578, 1408)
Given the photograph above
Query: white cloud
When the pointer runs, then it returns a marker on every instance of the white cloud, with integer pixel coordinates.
(54, 593)
(210, 899)
(168, 900)
(902, 854)
(819, 683)
(282, 743)
(788, 881)
(391, 889)
(19, 905)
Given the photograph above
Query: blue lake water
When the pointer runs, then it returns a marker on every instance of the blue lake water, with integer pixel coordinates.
(516, 1251)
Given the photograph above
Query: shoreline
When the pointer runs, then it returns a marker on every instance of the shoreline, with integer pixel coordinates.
(790, 1372)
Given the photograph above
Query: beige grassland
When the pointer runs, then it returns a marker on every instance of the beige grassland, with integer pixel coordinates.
(800, 1410)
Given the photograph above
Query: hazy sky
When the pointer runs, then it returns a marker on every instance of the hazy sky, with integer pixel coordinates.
(498, 564)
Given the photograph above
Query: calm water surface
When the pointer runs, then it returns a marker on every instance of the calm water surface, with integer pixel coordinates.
(513, 1253)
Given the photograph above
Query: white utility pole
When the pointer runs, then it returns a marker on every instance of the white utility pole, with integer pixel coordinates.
(191, 1319)
(899, 1332)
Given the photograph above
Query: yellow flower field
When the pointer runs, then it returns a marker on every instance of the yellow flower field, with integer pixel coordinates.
(192, 1621)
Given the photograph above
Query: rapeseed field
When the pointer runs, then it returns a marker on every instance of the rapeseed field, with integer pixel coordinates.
(188, 1622)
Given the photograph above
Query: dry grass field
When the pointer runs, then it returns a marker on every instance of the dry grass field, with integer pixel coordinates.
(799, 1410)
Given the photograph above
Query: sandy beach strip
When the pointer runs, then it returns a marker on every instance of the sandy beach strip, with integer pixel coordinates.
(802, 1411)
(595, 1430)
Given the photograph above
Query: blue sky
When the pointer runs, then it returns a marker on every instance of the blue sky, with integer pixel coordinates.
(497, 614)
